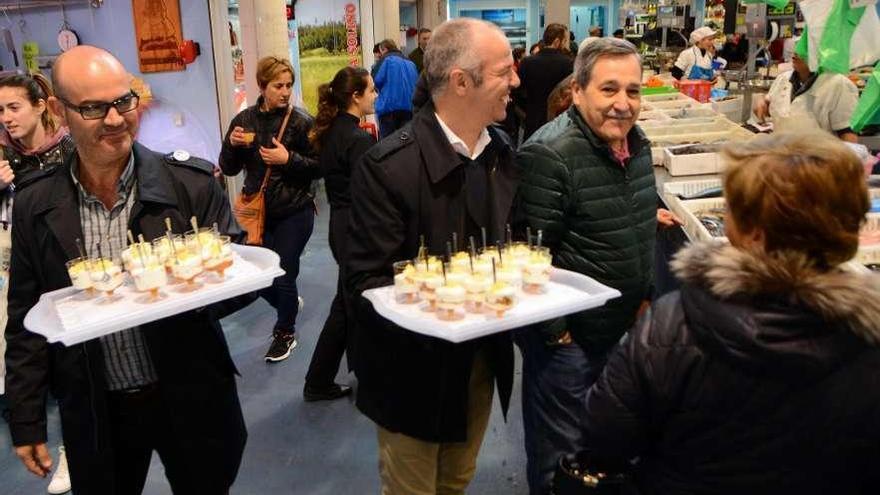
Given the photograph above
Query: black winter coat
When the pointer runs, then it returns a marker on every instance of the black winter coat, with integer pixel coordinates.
(341, 147)
(411, 184)
(538, 75)
(195, 370)
(761, 376)
(290, 186)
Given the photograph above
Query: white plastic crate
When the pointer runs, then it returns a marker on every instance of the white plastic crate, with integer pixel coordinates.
(730, 108)
(687, 210)
(692, 164)
(870, 254)
(690, 187)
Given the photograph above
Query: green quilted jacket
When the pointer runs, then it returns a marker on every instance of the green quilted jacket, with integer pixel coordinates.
(597, 217)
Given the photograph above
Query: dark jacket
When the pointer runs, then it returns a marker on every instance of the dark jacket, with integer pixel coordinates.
(341, 147)
(411, 184)
(417, 57)
(598, 218)
(396, 82)
(290, 186)
(538, 75)
(24, 165)
(195, 370)
(760, 376)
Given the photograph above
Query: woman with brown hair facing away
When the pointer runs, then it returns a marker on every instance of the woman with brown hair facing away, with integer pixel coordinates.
(251, 144)
(762, 374)
(342, 103)
(31, 145)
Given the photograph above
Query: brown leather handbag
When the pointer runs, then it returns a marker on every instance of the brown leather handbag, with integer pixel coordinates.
(250, 209)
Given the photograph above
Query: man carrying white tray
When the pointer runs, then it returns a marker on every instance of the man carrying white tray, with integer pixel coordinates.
(447, 171)
(167, 386)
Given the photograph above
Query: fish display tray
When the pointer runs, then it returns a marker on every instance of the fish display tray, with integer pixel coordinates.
(567, 292)
(69, 316)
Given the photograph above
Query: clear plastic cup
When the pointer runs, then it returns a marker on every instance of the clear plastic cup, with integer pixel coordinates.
(501, 298)
(150, 276)
(450, 302)
(131, 256)
(106, 275)
(220, 256)
(406, 285)
(536, 272)
(80, 274)
(477, 286)
(186, 266)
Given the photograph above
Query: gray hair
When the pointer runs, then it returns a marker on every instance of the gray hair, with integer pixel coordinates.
(453, 46)
(591, 52)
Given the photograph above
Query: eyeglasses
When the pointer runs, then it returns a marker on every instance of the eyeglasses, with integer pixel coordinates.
(95, 111)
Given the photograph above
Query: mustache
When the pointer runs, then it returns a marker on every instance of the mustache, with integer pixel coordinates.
(615, 114)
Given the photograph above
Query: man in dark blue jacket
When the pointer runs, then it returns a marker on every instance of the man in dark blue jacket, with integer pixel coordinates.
(396, 81)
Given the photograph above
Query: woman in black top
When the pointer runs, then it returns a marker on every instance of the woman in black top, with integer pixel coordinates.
(251, 145)
(341, 106)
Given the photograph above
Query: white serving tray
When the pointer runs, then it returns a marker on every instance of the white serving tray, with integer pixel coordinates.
(568, 292)
(66, 316)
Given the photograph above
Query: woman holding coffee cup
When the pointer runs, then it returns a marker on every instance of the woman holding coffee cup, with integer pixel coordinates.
(271, 137)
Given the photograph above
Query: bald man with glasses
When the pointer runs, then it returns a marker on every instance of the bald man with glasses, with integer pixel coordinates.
(167, 386)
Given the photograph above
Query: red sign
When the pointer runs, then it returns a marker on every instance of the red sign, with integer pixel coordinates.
(351, 30)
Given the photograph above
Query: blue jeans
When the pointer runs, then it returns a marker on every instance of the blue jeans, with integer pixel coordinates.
(287, 237)
(555, 382)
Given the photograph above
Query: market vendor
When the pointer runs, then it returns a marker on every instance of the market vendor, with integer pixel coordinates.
(695, 62)
(802, 99)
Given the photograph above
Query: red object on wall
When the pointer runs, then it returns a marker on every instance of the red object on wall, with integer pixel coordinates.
(189, 50)
(410, 32)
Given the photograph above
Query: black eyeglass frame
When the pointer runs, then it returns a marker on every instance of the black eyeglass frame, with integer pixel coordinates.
(104, 107)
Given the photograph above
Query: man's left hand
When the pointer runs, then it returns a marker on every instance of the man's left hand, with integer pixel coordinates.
(277, 155)
(667, 219)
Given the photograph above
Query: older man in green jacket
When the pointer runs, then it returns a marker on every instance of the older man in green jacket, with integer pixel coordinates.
(588, 184)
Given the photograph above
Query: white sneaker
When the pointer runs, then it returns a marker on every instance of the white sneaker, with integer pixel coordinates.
(60, 482)
(300, 302)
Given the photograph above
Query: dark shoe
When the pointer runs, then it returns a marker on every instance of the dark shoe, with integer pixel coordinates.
(282, 343)
(335, 391)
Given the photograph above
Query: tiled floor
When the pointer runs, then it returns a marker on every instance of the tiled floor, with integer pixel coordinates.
(296, 447)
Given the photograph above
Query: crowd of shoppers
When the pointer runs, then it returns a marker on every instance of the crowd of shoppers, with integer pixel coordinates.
(758, 376)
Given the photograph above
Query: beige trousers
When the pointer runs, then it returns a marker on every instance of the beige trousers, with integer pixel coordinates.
(408, 466)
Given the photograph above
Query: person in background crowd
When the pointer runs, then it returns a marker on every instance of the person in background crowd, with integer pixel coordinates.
(31, 144)
(251, 145)
(417, 55)
(588, 183)
(618, 33)
(696, 62)
(572, 44)
(534, 49)
(560, 98)
(168, 385)
(377, 60)
(396, 81)
(342, 103)
(540, 74)
(596, 32)
(800, 99)
(519, 54)
(760, 375)
(430, 398)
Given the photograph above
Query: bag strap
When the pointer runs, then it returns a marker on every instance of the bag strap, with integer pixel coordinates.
(278, 137)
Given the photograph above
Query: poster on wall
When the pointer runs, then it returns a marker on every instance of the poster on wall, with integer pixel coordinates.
(158, 34)
(328, 32)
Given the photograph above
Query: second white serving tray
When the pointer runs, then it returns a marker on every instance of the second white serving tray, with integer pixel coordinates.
(568, 292)
(66, 316)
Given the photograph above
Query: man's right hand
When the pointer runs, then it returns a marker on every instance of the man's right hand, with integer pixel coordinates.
(6, 174)
(36, 458)
(236, 137)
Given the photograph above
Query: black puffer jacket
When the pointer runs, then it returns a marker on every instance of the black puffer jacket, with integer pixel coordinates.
(599, 218)
(760, 376)
(290, 186)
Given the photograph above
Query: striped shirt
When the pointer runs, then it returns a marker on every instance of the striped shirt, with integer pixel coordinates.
(127, 362)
